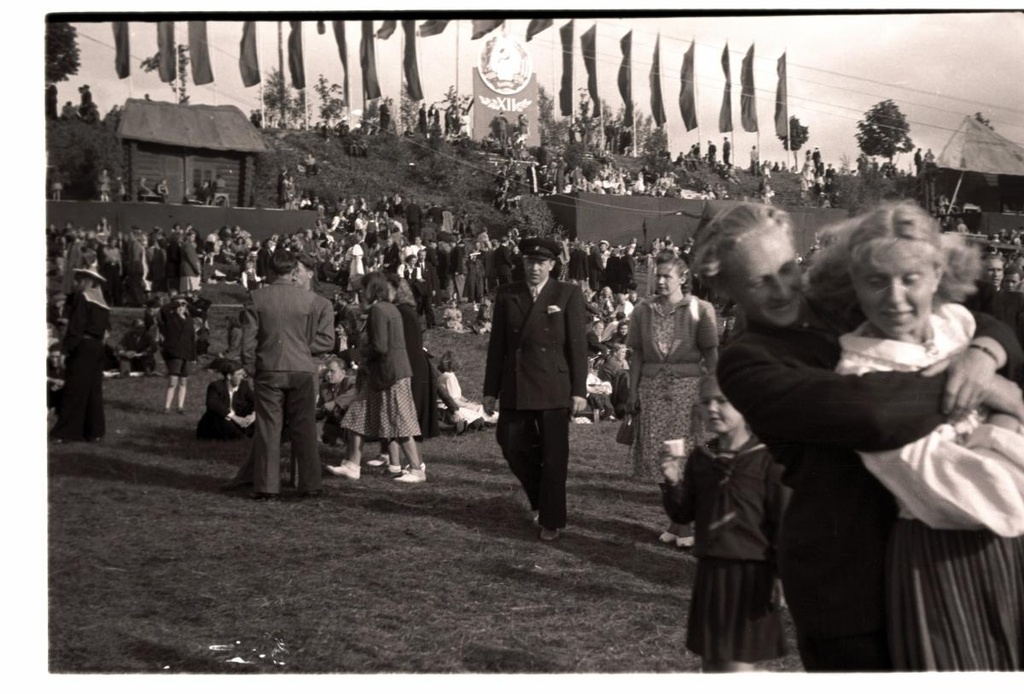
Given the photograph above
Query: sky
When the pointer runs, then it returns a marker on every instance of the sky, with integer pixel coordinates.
(937, 67)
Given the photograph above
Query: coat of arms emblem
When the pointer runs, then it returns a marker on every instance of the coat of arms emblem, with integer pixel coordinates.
(505, 66)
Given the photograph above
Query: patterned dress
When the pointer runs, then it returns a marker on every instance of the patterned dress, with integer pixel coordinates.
(668, 342)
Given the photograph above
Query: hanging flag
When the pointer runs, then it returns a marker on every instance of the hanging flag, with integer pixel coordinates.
(536, 26)
(781, 101)
(687, 93)
(412, 70)
(248, 57)
(122, 52)
(368, 62)
(748, 104)
(626, 78)
(295, 64)
(725, 115)
(588, 44)
(339, 38)
(657, 104)
(165, 45)
(433, 27)
(482, 27)
(199, 53)
(565, 93)
(386, 29)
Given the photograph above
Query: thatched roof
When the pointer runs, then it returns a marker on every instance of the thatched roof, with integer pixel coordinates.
(975, 147)
(223, 128)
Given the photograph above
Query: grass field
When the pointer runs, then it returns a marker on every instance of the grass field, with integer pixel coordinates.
(153, 569)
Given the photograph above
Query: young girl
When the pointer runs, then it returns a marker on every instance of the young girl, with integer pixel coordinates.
(731, 490)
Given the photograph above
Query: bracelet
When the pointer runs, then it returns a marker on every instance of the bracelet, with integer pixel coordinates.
(986, 350)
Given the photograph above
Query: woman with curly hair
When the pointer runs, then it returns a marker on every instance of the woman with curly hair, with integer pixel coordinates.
(780, 374)
(955, 568)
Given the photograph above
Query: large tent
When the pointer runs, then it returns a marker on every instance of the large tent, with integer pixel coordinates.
(983, 169)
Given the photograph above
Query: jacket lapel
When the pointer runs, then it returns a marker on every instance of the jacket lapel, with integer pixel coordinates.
(539, 307)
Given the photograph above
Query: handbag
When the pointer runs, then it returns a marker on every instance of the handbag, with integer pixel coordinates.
(626, 432)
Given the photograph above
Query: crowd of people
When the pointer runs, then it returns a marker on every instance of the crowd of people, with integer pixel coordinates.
(775, 398)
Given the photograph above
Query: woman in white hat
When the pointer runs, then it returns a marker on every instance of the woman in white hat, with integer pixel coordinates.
(81, 412)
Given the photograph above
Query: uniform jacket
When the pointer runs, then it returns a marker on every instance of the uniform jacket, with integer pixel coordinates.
(537, 356)
(285, 325)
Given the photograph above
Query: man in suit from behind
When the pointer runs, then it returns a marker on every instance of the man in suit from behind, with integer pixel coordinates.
(285, 325)
(537, 370)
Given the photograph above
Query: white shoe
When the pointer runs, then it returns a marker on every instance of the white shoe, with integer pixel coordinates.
(413, 476)
(382, 459)
(346, 469)
(684, 541)
(668, 538)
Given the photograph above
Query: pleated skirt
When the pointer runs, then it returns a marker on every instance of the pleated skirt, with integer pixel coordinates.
(732, 615)
(955, 599)
(383, 414)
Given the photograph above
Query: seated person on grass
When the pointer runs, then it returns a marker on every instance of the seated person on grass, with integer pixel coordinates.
(337, 391)
(136, 353)
(230, 406)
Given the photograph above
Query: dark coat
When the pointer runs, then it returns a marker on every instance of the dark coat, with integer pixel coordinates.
(213, 425)
(424, 387)
(537, 356)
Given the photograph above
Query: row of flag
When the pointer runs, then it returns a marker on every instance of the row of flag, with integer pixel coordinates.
(248, 63)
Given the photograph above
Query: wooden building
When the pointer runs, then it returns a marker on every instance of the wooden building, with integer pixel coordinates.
(189, 146)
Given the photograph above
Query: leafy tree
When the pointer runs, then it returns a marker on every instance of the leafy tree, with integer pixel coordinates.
(280, 100)
(332, 100)
(62, 57)
(79, 151)
(408, 111)
(553, 131)
(532, 217)
(180, 88)
(798, 134)
(884, 131)
(983, 120)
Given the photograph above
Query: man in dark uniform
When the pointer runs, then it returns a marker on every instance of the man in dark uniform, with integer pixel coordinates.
(537, 367)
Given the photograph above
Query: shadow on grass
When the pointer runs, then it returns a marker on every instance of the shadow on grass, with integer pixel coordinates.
(102, 467)
(500, 516)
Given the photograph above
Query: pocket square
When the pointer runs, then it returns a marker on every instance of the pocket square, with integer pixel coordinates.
(553, 309)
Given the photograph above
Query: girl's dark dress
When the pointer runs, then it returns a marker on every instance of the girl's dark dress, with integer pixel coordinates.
(735, 500)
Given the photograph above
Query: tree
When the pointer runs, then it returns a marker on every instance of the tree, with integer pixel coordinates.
(798, 133)
(983, 120)
(332, 101)
(408, 111)
(152, 64)
(278, 98)
(532, 217)
(62, 57)
(552, 130)
(884, 131)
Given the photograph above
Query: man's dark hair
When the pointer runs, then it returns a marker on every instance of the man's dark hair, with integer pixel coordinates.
(282, 262)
